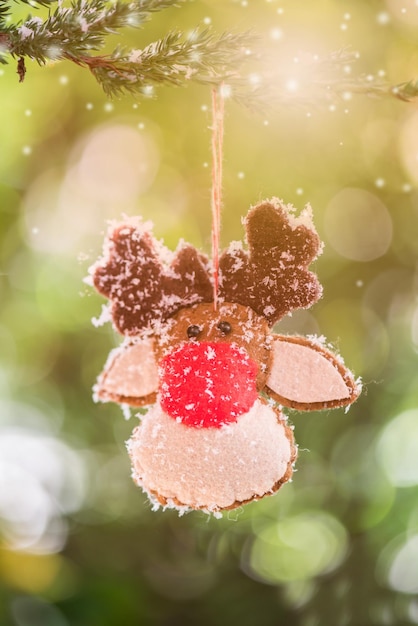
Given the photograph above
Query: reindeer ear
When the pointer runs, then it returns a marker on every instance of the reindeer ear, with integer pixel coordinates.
(130, 375)
(306, 376)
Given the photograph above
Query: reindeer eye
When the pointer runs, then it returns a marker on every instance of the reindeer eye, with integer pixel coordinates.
(193, 331)
(224, 327)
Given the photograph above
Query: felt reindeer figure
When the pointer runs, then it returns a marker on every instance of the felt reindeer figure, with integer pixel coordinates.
(215, 436)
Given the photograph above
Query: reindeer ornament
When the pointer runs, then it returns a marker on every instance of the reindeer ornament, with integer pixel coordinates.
(215, 436)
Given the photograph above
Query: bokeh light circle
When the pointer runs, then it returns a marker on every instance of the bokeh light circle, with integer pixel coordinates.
(397, 449)
(405, 11)
(41, 479)
(298, 548)
(408, 145)
(117, 163)
(414, 328)
(358, 225)
(360, 478)
(109, 169)
(403, 571)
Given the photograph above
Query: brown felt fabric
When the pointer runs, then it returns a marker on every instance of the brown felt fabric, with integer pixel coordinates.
(272, 276)
(144, 281)
(248, 330)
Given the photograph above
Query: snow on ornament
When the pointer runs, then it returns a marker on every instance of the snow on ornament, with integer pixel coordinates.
(216, 377)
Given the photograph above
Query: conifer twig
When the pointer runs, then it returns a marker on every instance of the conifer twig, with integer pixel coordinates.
(75, 31)
(72, 33)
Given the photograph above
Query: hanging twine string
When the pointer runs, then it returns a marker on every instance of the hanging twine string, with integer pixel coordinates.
(217, 158)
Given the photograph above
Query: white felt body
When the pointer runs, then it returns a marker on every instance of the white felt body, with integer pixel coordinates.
(306, 374)
(131, 371)
(210, 468)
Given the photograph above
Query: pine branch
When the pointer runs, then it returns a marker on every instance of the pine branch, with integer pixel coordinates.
(79, 28)
(6, 9)
(175, 59)
(314, 81)
(406, 91)
(73, 32)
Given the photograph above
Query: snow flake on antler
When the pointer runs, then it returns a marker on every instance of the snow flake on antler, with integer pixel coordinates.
(272, 277)
(145, 281)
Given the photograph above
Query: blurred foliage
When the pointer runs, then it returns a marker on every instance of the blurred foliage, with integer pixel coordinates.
(339, 545)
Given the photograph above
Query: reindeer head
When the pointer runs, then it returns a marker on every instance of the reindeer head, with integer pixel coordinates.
(210, 441)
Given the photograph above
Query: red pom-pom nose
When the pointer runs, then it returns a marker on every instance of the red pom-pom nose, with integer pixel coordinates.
(207, 384)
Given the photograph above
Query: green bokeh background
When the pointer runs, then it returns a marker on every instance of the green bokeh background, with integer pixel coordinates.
(80, 545)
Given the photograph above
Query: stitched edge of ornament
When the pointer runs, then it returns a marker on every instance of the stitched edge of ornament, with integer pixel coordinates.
(173, 503)
(353, 385)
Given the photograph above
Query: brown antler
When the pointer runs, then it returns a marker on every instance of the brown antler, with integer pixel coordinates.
(272, 277)
(146, 282)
